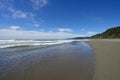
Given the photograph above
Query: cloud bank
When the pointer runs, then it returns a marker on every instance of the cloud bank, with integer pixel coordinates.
(15, 27)
(14, 32)
(64, 30)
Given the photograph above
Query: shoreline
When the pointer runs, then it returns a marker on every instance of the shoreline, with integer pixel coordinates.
(71, 61)
(107, 58)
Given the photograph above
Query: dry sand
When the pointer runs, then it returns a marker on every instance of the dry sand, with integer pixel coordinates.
(107, 56)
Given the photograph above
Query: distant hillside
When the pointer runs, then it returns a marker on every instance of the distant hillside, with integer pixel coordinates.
(81, 38)
(112, 33)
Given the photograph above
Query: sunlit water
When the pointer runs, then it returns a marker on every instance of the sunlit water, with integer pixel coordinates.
(15, 57)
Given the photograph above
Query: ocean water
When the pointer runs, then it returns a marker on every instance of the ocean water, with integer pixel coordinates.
(18, 55)
(23, 43)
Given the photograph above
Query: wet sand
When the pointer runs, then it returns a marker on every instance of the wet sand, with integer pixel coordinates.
(72, 61)
(107, 59)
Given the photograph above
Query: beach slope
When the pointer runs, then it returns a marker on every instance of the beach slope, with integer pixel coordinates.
(107, 56)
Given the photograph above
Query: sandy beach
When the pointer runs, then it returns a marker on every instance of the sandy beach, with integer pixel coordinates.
(107, 59)
(72, 61)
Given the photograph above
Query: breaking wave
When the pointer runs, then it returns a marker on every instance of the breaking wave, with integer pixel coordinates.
(18, 43)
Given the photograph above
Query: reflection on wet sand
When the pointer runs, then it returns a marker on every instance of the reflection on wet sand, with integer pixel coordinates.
(71, 61)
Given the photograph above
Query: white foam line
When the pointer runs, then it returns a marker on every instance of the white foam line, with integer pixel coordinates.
(13, 43)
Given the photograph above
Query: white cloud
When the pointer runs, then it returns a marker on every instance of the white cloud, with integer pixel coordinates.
(37, 4)
(41, 30)
(64, 30)
(36, 25)
(15, 13)
(15, 27)
(8, 5)
(91, 33)
(19, 14)
(82, 29)
(14, 33)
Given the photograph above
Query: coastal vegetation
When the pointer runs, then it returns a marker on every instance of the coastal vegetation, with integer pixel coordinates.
(112, 33)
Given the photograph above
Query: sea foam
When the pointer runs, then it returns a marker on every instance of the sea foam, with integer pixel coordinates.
(14, 43)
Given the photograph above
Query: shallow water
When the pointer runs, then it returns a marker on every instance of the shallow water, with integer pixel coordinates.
(68, 61)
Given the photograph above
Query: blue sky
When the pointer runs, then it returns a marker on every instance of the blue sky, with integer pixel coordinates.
(48, 19)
